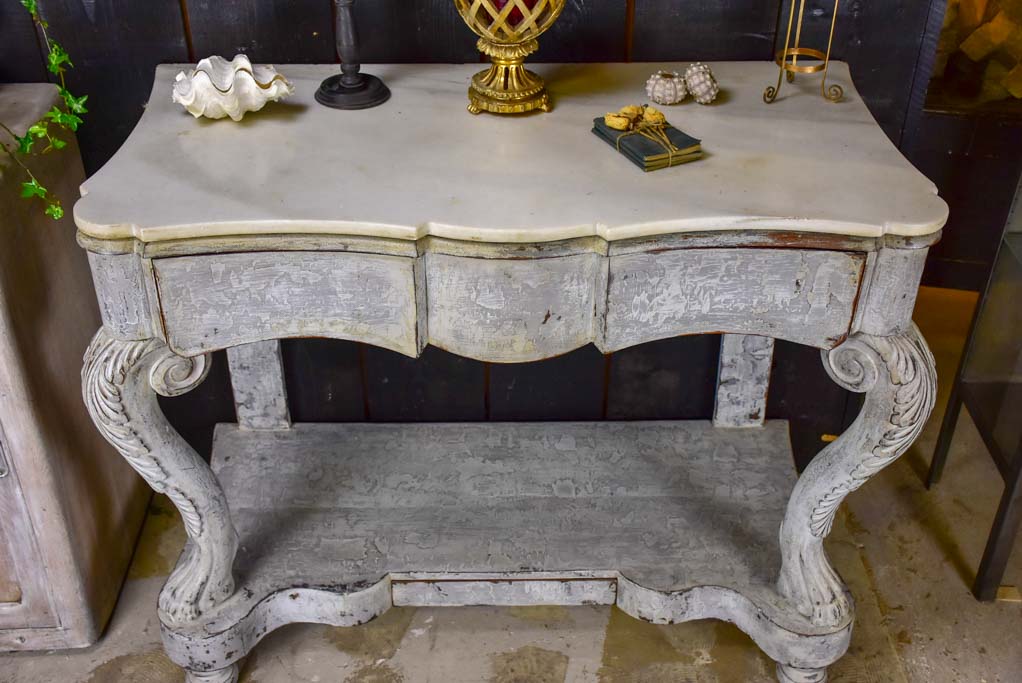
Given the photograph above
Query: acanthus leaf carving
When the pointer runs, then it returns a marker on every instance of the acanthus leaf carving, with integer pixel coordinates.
(898, 376)
(120, 380)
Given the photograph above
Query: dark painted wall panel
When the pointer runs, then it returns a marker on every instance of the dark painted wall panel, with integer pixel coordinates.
(115, 46)
(975, 164)
(280, 31)
(569, 387)
(197, 413)
(413, 31)
(20, 55)
(722, 29)
(881, 42)
(587, 31)
(437, 387)
(664, 380)
(801, 392)
(324, 380)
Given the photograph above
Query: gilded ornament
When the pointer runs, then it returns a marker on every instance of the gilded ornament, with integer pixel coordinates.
(813, 60)
(507, 31)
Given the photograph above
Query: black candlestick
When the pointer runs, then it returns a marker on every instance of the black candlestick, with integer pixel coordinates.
(350, 89)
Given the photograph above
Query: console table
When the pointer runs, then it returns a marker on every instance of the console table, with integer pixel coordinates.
(506, 240)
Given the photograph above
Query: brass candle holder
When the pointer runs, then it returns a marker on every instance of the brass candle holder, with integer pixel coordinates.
(788, 57)
(508, 32)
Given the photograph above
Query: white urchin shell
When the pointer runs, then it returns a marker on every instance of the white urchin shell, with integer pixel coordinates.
(666, 87)
(701, 83)
(217, 88)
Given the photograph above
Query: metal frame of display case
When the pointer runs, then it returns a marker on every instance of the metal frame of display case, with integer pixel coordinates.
(978, 397)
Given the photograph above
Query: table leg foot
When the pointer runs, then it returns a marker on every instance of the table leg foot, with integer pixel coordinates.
(789, 674)
(899, 377)
(228, 675)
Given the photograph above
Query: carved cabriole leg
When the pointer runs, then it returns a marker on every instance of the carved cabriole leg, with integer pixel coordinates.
(899, 378)
(120, 382)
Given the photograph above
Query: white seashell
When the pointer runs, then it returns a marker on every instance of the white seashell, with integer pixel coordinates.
(701, 83)
(666, 87)
(217, 88)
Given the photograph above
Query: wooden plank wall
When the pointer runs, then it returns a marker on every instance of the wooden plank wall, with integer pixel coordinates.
(115, 45)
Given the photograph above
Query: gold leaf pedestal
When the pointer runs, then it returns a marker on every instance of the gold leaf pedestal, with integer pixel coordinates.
(507, 31)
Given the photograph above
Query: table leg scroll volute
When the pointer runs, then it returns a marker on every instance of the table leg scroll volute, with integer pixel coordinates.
(120, 383)
(899, 378)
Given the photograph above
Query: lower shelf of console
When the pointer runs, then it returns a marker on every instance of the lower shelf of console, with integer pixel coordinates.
(669, 520)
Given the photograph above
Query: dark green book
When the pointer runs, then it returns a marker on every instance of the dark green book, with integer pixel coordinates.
(648, 154)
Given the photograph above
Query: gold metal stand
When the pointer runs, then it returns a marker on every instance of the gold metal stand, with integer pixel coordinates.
(507, 31)
(787, 59)
(507, 87)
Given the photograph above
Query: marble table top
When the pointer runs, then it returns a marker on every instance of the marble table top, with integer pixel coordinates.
(422, 165)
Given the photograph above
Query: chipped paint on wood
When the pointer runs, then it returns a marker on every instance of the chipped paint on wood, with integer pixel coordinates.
(512, 310)
(803, 296)
(257, 378)
(743, 380)
(213, 302)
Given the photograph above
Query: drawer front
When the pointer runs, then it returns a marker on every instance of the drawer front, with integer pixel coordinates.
(215, 301)
(802, 296)
(512, 311)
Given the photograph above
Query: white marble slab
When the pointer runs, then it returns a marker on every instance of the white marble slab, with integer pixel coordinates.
(421, 165)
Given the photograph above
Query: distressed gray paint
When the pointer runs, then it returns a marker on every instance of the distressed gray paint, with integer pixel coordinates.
(889, 296)
(122, 284)
(509, 303)
(213, 302)
(257, 378)
(743, 380)
(512, 310)
(899, 378)
(802, 296)
(486, 590)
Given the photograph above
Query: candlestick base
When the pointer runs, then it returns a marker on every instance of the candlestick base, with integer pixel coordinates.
(371, 92)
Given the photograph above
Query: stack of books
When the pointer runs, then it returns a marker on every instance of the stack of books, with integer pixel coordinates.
(647, 154)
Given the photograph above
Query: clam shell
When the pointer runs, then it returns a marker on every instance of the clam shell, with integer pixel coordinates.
(217, 88)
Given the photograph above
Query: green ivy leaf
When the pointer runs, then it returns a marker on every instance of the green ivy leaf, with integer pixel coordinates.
(63, 118)
(57, 58)
(32, 189)
(74, 104)
(39, 129)
(55, 211)
(25, 143)
(57, 143)
(30, 5)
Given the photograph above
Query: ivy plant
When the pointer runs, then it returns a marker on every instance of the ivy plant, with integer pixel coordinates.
(46, 130)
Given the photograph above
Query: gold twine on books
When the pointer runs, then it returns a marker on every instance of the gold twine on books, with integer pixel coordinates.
(657, 132)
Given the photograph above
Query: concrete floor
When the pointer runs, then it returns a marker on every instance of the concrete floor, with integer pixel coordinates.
(908, 554)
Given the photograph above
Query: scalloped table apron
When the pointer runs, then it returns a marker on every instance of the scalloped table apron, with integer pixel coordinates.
(506, 240)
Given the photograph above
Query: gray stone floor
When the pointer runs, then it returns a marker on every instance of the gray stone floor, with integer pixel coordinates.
(907, 553)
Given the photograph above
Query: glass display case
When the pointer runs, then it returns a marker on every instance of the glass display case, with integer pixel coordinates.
(989, 385)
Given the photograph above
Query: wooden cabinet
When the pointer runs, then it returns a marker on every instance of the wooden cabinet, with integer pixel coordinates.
(69, 512)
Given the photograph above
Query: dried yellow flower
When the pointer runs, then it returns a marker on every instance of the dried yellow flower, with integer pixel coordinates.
(653, 116)
(617, 121)
(632, 111)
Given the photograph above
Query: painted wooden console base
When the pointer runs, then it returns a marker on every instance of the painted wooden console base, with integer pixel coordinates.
(670, 521)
